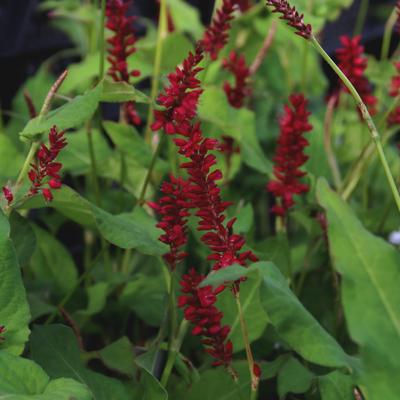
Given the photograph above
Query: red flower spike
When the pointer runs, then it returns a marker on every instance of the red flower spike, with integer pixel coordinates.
(8, 195)
(244, 5)
(122, 45)
(180, 98)
(394, 116)
(45, 170)
(200, 310)
(2, 330)
(290, 154)
(236, 64)
(353, 64)
(292, 17)
(216, 35)
(172, 208)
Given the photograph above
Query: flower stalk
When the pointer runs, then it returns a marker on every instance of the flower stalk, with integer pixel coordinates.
(366, 117)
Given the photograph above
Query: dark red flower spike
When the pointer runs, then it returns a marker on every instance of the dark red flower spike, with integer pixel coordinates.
(291, 16)
(45, 171)
(122, 45)
(290, 155)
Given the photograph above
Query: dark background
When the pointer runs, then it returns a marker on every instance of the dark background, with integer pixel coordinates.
(26, 38)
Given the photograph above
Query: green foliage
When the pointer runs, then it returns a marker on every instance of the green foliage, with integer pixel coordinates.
(14, 311)
(22, 379)
(371, 300)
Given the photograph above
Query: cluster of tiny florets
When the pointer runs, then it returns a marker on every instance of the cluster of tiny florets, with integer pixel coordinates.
(122, 45)
(291, 16)
(236, 65)
(353, 63)
(45, 170)
(394, 116)
(290, 155)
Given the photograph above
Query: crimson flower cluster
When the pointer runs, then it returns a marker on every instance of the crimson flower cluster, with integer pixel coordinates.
(172, 208)
(290, 154)
(353, 64)
(45, 171)
(180, 98)
(122, 45)
(236, 64)
(206, 318)
(8, 195)
(216, 36)
(292, 17)
(2, 330)
(394, 116)
(200, 192)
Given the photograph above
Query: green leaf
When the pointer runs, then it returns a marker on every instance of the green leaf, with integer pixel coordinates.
(52, 264)
(70, 115)
(300, 330)
(186, 18)
(128, 231)
(23, 238)
(120, 92)
(294, 378)
(22, 379)
(336, 386)
(14, 309)
(230, 274)
(10, 160)
(55, 349)
(239, 124)
(254, 314)
(370, 271)
(145, 295)
(127, 139)
(150, 388)
(119, 356)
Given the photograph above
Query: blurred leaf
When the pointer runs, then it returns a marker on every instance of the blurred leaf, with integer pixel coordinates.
(97, 298)
(370, 271)
(239, 124)
(52, 264)
(119, 356)
(120, 92)
(336, 386)
(185, 17)
(22, 379)
(145, 295)
(293, 378)
(10, 160)
(14, 310)
(55, 349)
(23, 238)
(70, 115)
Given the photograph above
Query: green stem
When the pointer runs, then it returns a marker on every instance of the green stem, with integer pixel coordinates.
(27, 163)
(172, 340)
(102, 42)
(367, 118)
(387, 36)
(249, 354)
(150, 171)
(362, 14)
(162, 32)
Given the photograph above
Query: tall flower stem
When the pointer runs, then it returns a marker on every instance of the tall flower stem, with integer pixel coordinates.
(162, 32)
(387, 36)
(150, 171)
(102, 42)
(361, 16)
(333, 164)
(44, 110)
(367, 118)
(249, 354)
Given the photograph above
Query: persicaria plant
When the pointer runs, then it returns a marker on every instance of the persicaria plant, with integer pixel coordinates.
(197, 209)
